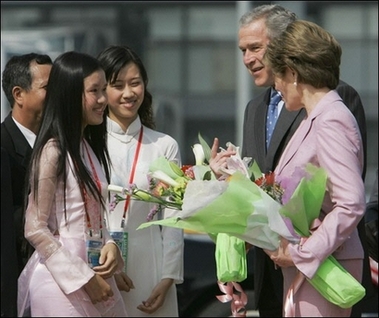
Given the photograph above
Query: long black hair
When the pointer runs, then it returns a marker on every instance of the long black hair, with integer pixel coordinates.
(62, 120)
(113, 59)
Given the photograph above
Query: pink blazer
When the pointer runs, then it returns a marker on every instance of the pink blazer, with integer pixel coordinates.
(330, 138)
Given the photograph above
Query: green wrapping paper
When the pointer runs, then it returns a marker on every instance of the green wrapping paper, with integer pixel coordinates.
(230, 257)
(305, 203)
(331, 280)
(336, 284)
(239, 208)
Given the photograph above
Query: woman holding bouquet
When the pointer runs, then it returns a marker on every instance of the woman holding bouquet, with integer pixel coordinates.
(153, 256)
(305, 61)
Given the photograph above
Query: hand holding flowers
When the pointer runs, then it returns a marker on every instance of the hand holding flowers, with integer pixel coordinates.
(226, 162)
(245, 204)
(281, 256)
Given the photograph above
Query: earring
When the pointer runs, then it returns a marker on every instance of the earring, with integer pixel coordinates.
(295, 83)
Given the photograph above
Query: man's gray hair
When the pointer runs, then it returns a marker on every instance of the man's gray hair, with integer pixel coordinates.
(276, 17)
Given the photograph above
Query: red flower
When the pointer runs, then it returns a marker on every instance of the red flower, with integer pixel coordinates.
(270, 179)
(268, 184)
(259, 181)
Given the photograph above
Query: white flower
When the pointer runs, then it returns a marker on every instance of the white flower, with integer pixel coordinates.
(160, 175)
(199, 154)
(115, 188)
(236, 163)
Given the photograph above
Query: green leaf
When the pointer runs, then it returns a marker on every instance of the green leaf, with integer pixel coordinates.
(255, 171)
(207, 175)
(168, 167)
(206, 148)
(176, 169)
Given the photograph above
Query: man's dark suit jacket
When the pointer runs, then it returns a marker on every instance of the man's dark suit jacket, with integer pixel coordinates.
(9, 270)
(254, 146)
(19, 152)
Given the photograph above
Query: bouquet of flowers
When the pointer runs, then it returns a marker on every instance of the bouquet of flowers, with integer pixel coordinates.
(167, 187)
(247, 206)
(233, 204)
(167, 182)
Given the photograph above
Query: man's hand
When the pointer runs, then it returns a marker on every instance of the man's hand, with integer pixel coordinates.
(217, 160)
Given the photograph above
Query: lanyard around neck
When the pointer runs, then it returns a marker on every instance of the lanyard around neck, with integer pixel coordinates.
(98, 184)
(132, 173)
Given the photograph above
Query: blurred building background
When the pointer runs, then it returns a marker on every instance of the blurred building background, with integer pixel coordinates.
(197, 78)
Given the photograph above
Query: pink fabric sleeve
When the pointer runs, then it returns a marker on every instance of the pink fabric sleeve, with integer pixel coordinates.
(69, 271)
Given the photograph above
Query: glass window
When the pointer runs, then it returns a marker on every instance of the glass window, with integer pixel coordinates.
(212, 22)
(373, 20)
(200, 73)
(165, 23)
(18, 18)
(359, 65)
(371, 67)
(344, 21)
(76, 14)
(352, 21)
(212, 68)
(351, 72)
(164, 68)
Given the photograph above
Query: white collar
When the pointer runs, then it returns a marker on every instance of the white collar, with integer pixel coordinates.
(28, 134)
(115, 130)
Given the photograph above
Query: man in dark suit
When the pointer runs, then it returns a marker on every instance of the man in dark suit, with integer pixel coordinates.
(256, 29)
(24, 83)
(9, 271)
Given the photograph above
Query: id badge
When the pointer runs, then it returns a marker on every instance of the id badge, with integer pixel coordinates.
(121, 239)
(93, 248)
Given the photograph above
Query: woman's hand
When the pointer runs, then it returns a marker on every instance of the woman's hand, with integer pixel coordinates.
(98, 289)
(157, 296)
(281, 256)
(109, 260)
(123, 282)
(217, 160)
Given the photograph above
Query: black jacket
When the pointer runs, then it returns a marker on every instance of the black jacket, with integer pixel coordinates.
(19, 152)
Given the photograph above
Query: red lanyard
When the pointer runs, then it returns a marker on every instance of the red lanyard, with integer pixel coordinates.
(131, 176)
(84, 190)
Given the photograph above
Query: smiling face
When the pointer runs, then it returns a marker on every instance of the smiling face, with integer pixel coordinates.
(126, 95)
(95, 98)
(252, 42)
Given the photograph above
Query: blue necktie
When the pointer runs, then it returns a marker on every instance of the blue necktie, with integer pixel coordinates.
(272, 116)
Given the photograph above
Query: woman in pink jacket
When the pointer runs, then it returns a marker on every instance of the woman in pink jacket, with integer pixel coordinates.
(71, 273)
(305, 61)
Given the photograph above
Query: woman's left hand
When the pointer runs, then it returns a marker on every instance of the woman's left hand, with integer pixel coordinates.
(281, 256)
(157, 296)
(109, 260)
